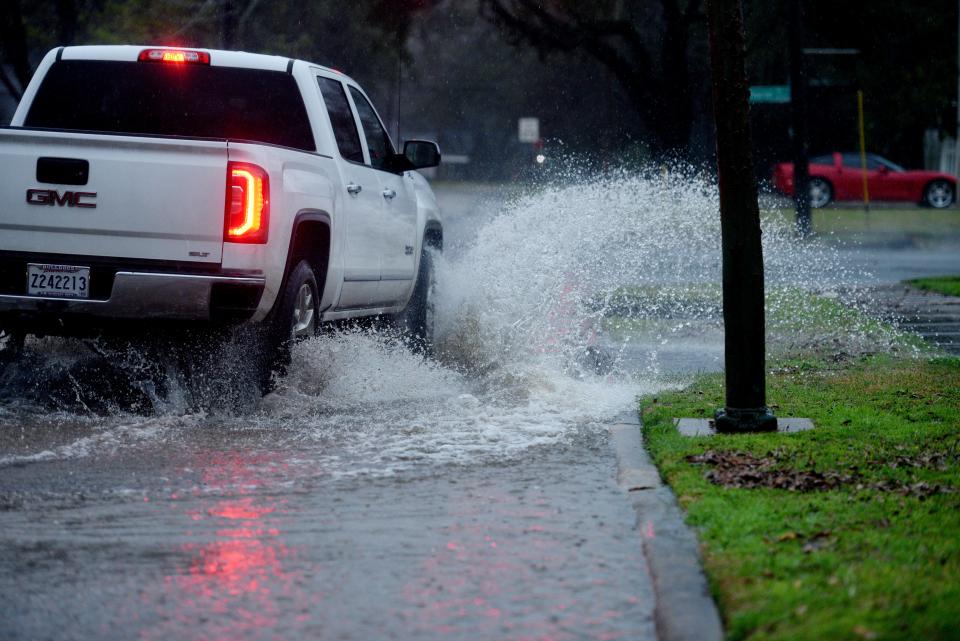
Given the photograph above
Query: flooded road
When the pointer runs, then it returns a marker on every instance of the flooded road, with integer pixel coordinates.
(223, 543)
(376, 494)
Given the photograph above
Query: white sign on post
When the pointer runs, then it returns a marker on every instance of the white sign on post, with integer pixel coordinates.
(528, 129)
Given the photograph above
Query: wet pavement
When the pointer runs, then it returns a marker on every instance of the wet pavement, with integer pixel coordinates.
(931, 315)
(376, 495)
(206, 545)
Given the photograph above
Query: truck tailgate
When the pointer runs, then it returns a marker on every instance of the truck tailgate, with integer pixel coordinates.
(153, 198)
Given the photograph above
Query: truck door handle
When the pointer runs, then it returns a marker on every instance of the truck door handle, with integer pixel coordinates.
(353, 189)
(389, 193)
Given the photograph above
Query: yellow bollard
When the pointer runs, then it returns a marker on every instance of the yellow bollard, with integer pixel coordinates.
(863, 152)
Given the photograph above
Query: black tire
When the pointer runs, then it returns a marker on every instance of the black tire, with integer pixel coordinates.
(417, 320)
(11, 345)
(939, 194)
(295, 316)
(821, 192)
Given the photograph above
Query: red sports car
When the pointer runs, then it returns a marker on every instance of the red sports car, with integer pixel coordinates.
(839, 176)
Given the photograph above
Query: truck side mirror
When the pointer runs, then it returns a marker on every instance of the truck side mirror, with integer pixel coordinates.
(422, 153)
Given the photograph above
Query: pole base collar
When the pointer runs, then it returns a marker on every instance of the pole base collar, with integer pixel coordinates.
(732, 420)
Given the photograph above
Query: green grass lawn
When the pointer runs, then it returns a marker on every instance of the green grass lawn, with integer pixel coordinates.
(915, 222)
(949, 285)
(869, 546)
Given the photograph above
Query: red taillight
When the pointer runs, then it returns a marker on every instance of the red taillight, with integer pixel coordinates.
(176, 56)
(248, 204)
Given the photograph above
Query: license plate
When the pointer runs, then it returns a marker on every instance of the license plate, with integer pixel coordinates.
(58, 281)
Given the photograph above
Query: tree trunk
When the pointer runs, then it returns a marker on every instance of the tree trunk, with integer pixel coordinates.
(228, 24)
(67, 21)
(676, 113)
(15, 42)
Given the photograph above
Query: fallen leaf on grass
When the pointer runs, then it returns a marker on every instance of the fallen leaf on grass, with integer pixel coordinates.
(864, 633)
(813, 546)
(748, 471)
(928, 460)
(743, 470)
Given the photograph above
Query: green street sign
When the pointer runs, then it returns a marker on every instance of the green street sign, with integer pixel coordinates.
(771, 94)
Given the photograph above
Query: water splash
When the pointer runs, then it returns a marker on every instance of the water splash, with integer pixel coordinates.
(545, 277)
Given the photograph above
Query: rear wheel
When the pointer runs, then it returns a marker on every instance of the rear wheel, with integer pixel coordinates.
(821, 192)
(295, 317)
(304, 312)
(938, 194)
(11, 344)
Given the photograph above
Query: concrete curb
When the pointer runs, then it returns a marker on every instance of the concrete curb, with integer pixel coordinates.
(684, 609)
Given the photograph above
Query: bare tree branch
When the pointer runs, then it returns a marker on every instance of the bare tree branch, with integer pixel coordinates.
(660, 92)
(13, 40)
(198, 17)
(9, 84)
(540, 37)
(692, 13)
(546, 31)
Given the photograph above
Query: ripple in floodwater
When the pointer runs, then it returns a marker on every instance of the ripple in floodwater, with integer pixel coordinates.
(523, 317)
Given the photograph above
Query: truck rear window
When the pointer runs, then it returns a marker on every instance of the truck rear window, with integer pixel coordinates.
(196, 101)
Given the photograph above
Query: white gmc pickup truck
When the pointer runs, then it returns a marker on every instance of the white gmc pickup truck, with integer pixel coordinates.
(152, 184)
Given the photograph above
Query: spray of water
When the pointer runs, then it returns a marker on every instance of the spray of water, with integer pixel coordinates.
(564, 263)
(583, 292)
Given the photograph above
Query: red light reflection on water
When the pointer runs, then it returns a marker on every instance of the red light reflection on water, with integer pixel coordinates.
(231, 587)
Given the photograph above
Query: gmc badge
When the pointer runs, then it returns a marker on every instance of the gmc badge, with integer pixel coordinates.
(69, 198)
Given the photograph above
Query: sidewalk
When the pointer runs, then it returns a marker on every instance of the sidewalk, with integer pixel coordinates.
(933, 316)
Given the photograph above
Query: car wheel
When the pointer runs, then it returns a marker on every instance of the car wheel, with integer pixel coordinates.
(295, 317)
(938, 194)
(821, 192)
(417, 320)
(11, 344)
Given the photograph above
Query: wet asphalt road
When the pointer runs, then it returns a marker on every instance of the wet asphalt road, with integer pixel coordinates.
(221, 544)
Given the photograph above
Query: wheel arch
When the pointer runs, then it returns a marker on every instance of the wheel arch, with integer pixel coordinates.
(310, 240)
(826, 180)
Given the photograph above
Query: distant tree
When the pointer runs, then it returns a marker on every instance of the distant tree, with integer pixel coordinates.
(466, 86)
(907, 67)
(645, 45)
(365, 32)
(13, 45)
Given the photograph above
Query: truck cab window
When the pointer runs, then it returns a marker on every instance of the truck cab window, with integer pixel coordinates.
(199, 101)
(344, 126)
(378, 142)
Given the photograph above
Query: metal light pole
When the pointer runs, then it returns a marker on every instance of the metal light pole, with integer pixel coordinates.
(798, 112)
(743, 313)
